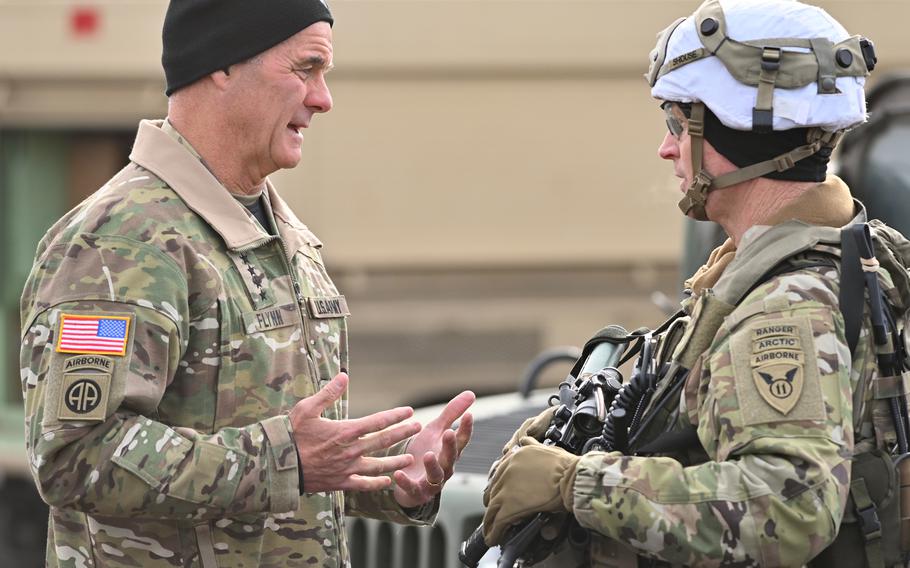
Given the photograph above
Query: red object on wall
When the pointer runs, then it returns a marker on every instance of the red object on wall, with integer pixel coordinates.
(84, 21)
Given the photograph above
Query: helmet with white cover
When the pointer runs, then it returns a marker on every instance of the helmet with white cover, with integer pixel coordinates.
(763, 67)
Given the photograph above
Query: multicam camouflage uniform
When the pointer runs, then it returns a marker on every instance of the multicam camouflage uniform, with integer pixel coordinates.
(772, 399)
(179, 451)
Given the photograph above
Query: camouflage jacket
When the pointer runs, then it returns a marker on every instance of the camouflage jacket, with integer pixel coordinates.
(165, 335)
(772, 399)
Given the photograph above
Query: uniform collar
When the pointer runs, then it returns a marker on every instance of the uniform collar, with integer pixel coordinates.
(295, 234)
(828, 204)
(160, 149)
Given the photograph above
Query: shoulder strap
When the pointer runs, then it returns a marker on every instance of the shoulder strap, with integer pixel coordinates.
(884, 332)
(852, 286)
(869, 523)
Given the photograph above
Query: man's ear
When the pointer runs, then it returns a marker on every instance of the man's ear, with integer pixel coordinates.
(221, 78)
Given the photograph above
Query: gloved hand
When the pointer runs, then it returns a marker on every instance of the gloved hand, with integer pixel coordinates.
(532, 478)
(535, 427)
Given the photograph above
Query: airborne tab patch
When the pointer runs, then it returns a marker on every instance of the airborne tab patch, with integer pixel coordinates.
(96, 362)
(778, 356)
(329, 307)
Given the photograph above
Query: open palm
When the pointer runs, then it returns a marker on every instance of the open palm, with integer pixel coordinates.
(435, 449)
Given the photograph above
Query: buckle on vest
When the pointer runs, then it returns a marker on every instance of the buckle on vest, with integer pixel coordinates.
(869, 523)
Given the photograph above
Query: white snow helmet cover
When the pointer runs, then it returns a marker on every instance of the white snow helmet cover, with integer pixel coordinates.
(683, 68)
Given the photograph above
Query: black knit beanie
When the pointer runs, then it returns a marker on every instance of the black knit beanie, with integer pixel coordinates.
(203, 36)
(744, 148)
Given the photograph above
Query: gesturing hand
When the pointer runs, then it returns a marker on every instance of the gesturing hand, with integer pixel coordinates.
(435, 451)
(334, 452)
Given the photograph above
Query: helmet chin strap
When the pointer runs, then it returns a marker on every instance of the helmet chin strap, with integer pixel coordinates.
(697, 193)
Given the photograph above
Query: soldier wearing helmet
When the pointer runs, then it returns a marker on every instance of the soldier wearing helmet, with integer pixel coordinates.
(762, 442)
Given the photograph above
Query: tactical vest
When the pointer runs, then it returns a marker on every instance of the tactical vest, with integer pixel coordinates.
(875, 530)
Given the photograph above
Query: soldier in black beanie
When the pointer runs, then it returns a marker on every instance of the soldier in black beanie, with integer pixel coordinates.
(244, 78)
(205, 422)
(202, 36)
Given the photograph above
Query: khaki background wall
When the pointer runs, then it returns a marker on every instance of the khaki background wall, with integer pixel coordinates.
(487, 184)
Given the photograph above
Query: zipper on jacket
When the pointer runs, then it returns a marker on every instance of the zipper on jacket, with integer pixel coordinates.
(301, 309)
(314, 373)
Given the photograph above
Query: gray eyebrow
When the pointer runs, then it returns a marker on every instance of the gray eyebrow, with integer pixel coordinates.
(313, 60)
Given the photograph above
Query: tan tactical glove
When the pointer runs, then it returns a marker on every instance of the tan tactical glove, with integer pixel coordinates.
(531, 479)
(535, 427)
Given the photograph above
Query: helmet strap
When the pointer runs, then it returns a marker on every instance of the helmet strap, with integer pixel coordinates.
(697, 193)
(696, 196)
(818, 140)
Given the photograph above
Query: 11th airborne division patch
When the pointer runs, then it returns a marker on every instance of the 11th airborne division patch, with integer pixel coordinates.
(777, 365)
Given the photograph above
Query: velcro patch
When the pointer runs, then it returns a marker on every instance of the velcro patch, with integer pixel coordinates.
(775, 330)
(329, 307)
(82, 362)
(778, 356)
(271, 318)
(775, 343)
(776, 375)
(685, 59)
(84, 396)
(780, 385)
(93, 334)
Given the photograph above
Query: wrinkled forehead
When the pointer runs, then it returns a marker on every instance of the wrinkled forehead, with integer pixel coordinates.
(312, 43)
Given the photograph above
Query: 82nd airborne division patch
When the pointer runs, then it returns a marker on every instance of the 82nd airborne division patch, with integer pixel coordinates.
(86, 385)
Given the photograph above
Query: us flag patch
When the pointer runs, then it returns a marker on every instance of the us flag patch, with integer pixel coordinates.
(102, 335)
